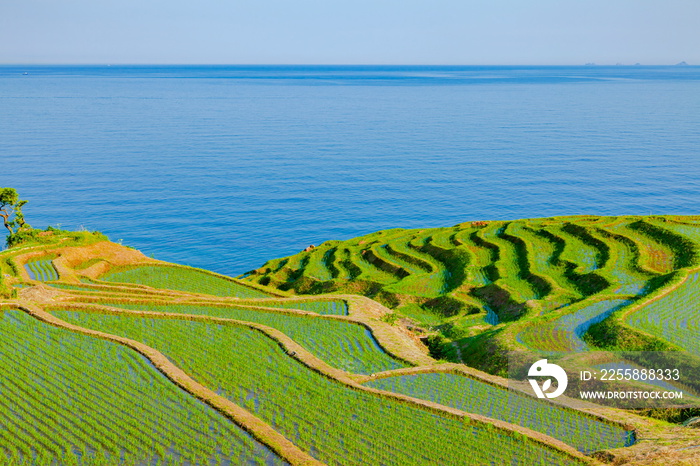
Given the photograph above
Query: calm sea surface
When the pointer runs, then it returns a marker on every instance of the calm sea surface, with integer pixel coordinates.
(226, 167)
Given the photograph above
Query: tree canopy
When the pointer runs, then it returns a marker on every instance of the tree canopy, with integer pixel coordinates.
(11, 210)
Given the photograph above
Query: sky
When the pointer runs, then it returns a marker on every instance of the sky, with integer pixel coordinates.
(451, 32)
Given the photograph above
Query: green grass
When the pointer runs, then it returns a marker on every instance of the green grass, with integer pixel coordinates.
(183, 279)
(67, 396)
(584, 433)
(334, 423)
(53, 236)
(674, 317)
(41, 269)
(343, 345)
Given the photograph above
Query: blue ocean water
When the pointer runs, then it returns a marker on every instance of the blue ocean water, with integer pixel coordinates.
(224, 167)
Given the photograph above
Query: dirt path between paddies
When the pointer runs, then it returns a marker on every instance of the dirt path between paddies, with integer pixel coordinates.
(260, 430)
(298, 352)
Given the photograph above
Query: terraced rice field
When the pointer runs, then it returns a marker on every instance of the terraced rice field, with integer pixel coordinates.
(584, 255)
(623, 267)
(655, 256)
(480, 257)
(585, 433)
(332, 307)
(183, 279)
(688, 230)
(71, 286)
(72, 399)
(472, 291)
(511, 263)
(545, 263)
(41, 269)
(564, 333)
(511, 268)
(674, 317)
(334, 423)
(343, 345)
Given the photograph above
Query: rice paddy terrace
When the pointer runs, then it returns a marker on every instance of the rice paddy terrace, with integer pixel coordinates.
(541, 282)
(113, 358)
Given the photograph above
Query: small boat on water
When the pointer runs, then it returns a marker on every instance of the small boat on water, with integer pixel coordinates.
(25, 73)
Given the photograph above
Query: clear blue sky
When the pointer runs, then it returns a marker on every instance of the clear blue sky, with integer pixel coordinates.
(350, 31)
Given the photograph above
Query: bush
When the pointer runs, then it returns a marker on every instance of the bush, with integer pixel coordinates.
(52, 235)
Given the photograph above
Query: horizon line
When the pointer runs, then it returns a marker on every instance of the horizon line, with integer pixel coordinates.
(108, 64)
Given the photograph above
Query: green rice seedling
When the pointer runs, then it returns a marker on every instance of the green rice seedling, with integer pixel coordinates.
(423, 285)
(343, 260)
(565, 333)
(482, 256)
(544, 262)
(685, 247)
(341, 344)
(420, 315)
(183, 279)
(71, 286)
(325, 307)
(443, 237)
(73, 399)
(368, 270)
(688, 230)
(335, 260)
(403, 268)
(585, 433)
(334, 423)
(652, 255)
(41, 269)
(316, 267)
(674, 317)
(511, 274)
(409, 252)
(580, 250)
(622, 268)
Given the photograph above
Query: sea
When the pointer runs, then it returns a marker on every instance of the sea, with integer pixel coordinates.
(225, 167)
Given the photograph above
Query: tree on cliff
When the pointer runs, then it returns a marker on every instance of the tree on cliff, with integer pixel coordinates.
(11, 210)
